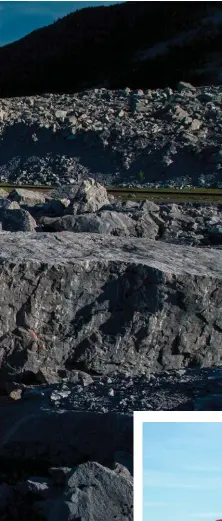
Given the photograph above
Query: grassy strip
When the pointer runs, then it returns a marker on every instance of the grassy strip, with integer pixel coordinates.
(193, 190)
(189, 191)
(27, 187)
(195, 195)
(171, 198)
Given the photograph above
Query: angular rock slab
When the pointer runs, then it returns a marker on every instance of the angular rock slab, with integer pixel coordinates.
(103, 304)
(93, 493)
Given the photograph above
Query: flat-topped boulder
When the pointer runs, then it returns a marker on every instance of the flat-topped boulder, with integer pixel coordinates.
(107, 304)
(24, 196)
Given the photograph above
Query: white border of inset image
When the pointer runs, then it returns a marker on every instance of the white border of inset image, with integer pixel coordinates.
(141, 417)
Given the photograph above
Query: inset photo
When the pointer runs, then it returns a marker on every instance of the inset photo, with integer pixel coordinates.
(178, 466)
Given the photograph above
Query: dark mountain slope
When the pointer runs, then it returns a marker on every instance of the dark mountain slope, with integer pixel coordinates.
(135, 44)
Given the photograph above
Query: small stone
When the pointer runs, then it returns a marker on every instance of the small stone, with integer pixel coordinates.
(16, 394)
(196, 124)
(73, 120)
(61, 114)
(35, 485)
(58, 395)
(121, 113)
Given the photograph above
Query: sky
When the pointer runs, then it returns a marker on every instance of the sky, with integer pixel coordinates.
(182, 471)
(20, 18)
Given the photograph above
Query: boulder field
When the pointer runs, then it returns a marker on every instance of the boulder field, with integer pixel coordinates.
(106, 307)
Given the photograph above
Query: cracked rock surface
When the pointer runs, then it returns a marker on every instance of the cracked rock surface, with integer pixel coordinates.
(161, 137)
(107, 304)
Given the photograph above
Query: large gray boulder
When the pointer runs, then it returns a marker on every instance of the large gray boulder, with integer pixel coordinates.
(101, 493)
(111, 223)
(93, 493)
(140, 224)
(90, 197)
(106, 304)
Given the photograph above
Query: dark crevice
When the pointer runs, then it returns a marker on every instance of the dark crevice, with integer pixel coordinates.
(175, 345)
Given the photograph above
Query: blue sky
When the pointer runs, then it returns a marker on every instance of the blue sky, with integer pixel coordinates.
(20, 18)
(182, 471)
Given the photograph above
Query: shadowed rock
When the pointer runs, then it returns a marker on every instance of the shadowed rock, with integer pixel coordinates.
(18, 220)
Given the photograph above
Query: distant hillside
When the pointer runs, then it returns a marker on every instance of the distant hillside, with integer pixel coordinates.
(135, 44)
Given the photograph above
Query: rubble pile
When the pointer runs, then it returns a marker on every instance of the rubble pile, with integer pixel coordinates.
(161, 137)
(86, 207)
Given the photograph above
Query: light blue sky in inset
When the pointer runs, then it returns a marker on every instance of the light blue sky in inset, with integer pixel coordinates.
(17, 19)
(182, 471)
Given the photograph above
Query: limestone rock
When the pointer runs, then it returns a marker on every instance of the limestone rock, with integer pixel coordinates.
(3, 193)
(24, 196)
(149, 206)
(146, 226)
(105, 304)
(183, 86)
(196, 124)
(90, 197)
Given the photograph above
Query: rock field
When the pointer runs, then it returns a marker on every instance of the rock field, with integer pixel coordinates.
(119, 137)
(106, 306)
(107, 286)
